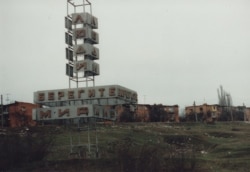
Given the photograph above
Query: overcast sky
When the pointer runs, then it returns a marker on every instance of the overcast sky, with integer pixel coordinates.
(169, 51)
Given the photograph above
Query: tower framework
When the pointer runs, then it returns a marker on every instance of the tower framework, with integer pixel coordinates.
(81, 38)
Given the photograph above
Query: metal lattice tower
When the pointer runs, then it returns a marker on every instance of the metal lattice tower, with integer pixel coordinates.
(80, 38)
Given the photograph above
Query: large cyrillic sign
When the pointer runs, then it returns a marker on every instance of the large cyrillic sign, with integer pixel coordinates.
(86, 33)
(85, 18)
(88, 66)
(68, 112)
(87, 50)
(80, 38)
(82, 102)
(100, 92)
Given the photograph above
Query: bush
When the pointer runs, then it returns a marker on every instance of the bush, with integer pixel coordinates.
(176, 155)
(19, 148)
(150, 159)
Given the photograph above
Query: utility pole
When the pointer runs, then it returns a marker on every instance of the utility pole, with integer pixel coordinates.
(195, 112)
(244, 112)
(2, 109)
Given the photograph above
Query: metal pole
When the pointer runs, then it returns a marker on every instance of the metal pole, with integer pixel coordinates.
(88, 138)
(83, 5)
(2, 109)
(67, 8)
(244, 112)
(96, 141)
(71, 144)
(90, 7)
(195, 112)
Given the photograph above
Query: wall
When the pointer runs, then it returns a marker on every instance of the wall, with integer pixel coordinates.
(20, 114)
(142, 113)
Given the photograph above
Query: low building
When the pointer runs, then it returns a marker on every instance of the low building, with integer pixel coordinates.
(173, 111)
(203, 112)
(156, 113)
(142, 113)
(216, 112)
(18, 114)
(247, 114)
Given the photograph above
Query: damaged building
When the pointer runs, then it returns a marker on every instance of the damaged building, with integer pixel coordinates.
(18, 114)
(215, 112)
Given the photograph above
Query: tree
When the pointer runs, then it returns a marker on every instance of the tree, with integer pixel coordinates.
(225, 101)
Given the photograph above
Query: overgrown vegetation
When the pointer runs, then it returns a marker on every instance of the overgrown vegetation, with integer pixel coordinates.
(22, 146)
(139, 147)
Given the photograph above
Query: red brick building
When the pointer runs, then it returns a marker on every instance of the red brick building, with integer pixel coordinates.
(204, 112)
(145, 112)
(247, 114)
(18, 114)
(214, 112)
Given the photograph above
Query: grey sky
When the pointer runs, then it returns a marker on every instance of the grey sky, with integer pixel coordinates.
(169, 51)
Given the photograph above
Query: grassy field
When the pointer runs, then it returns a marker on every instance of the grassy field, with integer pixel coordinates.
(172, 147)
(145, 147)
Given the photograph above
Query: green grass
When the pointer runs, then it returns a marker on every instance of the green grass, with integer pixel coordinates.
(221, 147)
